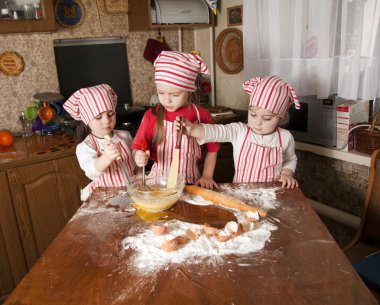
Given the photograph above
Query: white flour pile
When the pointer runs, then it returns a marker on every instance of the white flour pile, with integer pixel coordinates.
(147, 245)
(149, 256)
(264, 198)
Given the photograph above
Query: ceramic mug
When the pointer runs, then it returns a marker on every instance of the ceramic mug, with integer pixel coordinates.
(46, 113)
(58, 107)
(31, 111)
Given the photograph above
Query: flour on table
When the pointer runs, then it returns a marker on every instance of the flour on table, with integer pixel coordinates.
(264, 198)
(194, 199)
(149, 256)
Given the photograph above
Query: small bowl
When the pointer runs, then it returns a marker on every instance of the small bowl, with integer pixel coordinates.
(155, 196)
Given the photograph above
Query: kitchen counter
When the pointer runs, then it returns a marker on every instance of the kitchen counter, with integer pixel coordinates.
(40, 182)
(26, 150)
(89, 262)
(349, 156)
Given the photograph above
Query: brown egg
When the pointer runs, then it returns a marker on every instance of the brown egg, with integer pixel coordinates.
(181, 239)
(210, 231)
(193, 235)
(169, 245)
(159, 230)
(222, 236)
(234, 228)
(247, 226)
(252, 216)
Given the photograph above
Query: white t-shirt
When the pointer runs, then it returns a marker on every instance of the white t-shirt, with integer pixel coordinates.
(87, 154)
(236, 132)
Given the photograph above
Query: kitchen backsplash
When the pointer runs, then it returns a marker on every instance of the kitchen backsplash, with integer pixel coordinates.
(336, 183)
(40, 74)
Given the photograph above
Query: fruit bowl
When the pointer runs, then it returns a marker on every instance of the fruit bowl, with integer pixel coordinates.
(155, 196)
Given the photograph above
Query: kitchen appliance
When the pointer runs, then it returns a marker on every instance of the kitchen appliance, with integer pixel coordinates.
(315, 122)
(88, 62)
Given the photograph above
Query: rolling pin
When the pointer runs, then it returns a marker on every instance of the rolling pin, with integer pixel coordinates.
(223, 200)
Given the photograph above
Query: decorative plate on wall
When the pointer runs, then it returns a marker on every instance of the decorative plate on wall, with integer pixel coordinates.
(229, 51)
(69, 13)
(11, 63)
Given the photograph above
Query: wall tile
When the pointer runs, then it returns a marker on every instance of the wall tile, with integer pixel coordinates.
(40, 73)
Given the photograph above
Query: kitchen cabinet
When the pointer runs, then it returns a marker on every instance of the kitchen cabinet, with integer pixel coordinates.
(39, 194)
(12, 261)
(46, 24)
(139, 18)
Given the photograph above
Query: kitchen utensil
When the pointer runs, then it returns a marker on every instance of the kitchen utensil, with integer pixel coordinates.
(144, 147)
(46, 113)
(31, 111)
(158, 196)
(173, 172)
(108, 138)
(58, 107)
(223, 200)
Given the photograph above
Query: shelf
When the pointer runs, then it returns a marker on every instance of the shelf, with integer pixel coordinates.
(139, 18)
(351, 156)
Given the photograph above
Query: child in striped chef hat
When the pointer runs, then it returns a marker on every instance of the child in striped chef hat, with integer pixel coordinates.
(175, 75)
(105, 155)
(263, 152)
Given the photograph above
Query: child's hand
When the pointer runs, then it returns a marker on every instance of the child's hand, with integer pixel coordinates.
(111, 150)
(187, 126)
(207, 183)
(288, 181)
(142, 157)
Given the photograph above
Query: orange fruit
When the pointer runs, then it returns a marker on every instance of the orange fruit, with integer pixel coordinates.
(6, 138)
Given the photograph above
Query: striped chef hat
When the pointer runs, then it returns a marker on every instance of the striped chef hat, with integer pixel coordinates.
(271, 93)
(87, 103)
(179, 69)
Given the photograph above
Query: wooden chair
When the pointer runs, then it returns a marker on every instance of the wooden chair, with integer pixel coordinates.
(367, 238)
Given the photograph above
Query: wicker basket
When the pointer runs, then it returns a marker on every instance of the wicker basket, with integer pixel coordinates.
(367, 140)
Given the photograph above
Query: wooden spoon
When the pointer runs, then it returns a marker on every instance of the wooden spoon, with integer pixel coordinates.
(173, 172)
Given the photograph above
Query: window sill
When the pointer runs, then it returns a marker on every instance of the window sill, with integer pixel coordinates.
(352, 156)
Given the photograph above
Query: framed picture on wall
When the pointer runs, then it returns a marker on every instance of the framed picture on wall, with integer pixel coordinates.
(235, 15)
(116, 6)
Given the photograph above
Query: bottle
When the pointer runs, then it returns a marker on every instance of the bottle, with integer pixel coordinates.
(37, 10)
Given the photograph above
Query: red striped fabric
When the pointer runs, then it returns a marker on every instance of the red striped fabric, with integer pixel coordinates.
(190, 152)
(120, 171)
(258, 163)
(271, 93)
(87, 103)
(179, 69)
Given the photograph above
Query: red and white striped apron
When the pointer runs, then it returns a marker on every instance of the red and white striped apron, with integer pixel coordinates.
(189, 154)
(258, 163)
(120, 171)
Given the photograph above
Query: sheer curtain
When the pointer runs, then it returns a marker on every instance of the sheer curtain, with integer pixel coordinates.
(321, 47)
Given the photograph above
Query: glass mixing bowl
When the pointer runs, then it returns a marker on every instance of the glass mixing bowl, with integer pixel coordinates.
(155, 196)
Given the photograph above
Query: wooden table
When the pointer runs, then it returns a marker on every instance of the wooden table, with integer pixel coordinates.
(299, 264)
